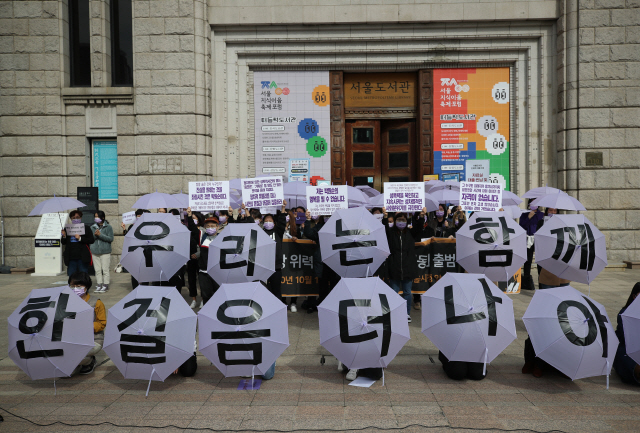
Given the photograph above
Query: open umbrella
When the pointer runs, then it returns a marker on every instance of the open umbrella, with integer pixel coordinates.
(446, 196)
(493, 244)
(353, 243)
(451, 185)
(468, 318)
(559, 200)
(369, 192)
(156, 247)
(50, 332)
(157, 200)
(356, 197)
(572, 332)
(243, 329)
(241, 253)
(510, 199)
(631, 325)
(540, 192)
(571, 247)
(295, 193)
(183, 200)
(363, 323)
(55, 205)
(150, 333)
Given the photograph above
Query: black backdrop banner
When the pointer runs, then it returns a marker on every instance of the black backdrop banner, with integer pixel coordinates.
(298, 277)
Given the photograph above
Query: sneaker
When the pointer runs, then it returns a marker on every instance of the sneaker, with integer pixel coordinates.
(293, 308)
(88, 369)
(98, 289)
(408, 318)
(201, 304)
(105, 288)
(352, 374)
(417, 305)
(194, 304)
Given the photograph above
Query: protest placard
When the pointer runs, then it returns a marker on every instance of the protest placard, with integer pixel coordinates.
(404, 196)
(479, 196)
(74, 229)
(264, 193)
(477, 170)
(129, 217)
(209, 195)
(324, 200)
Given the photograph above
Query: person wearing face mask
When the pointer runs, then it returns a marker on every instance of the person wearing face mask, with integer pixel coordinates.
(208, 286)
(459, 219)
(529, 222)
(80, 283)
(77, 255)
(162, 210)
(274, 228)
(101, 251)
(439, 224)
(291, 232)
(627, 368)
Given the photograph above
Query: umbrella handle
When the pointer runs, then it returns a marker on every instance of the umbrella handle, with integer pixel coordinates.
(150, 377)
(486, 355)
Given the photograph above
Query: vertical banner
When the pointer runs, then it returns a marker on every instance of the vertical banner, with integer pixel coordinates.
(471, 116)
(292, 116)
(105, 169)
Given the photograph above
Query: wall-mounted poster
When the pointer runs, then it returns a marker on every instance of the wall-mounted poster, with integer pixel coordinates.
(471, 120)
(292, 115)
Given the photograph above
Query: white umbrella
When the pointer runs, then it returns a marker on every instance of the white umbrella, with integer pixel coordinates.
(540, 192)
(631, 325)
(560, 200)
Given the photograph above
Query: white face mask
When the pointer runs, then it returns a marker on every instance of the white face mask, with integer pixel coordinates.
(546, 218)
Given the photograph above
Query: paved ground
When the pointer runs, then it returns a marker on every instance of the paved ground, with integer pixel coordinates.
(307, 395)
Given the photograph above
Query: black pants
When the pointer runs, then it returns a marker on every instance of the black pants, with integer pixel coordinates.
(458, 370)
(189, 367)
(328, 281)
(207, 286)
(526, 269)
(530, 355)
(274, 284)
(192, 275)
(134, 283)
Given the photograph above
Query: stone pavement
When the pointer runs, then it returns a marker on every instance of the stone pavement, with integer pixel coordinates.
(307, 395)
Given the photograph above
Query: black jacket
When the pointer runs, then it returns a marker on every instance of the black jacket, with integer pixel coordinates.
(312, 233)
(276, 234)
(78, 249)
(402, 260)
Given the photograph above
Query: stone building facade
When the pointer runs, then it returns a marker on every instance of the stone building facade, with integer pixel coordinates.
(575, 68)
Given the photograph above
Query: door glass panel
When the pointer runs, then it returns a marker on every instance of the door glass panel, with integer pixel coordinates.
(363, 159)
(363, 135)
(399, 136)
(363, 180)
(399, 179)
(399, 160)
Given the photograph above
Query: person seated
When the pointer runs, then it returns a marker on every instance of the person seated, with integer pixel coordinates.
(458, 370)
(627, 368)
(80, 283)
(189, 367)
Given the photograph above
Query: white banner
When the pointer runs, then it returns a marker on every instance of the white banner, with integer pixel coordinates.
(129, 217)
(325, 200)
(404, 196)
(264, 193)
(480, 197)
(477, 170)
(74, 229)
(209, 195)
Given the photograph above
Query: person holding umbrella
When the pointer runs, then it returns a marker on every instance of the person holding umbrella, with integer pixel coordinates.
(274, 228)
(208, 286)
(77, 255)
(327, 278)
(439, 224)
(101, 251)
(529, 222)
(546, 280)
(627, 368)
(193, 224)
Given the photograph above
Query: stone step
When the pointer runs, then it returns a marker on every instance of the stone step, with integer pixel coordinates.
(23, 270)
(632, 265)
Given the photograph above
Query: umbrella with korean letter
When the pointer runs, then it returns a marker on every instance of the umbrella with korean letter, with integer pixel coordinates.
(363, 323)
(468, 318)
(493, 244)
(243, 329)
(156, 200)
(631, 325)
(242, 253)
(571, 332)
(150, 333)
(50, 332)
(156, 247)
(353, 243)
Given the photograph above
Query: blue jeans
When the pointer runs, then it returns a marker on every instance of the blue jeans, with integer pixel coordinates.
(76, 266)
(268, 375)
(405, 286)
(546, 286)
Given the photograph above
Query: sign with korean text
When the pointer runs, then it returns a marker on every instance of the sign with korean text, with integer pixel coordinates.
(105, 169)
(209, 195)
(74, 229)
(299, 170)
(477, 170)
(292, 121)
(298, 275)
(480, 197)
(129, 217)
(404, 196)
(51, 224)
(471, 120)
(380, 90)
(262, 192)
(325, 200)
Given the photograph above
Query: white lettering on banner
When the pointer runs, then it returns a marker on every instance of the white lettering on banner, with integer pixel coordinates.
(480, 197)
(274, 170)
(262, 192)
(74, 229)
(452, 167)
(273, 148)
(325, 200)
(209, 195)
(449, 146)
(404, 196)
(452, 125)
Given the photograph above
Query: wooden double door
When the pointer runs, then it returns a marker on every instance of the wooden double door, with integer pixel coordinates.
(379, 151)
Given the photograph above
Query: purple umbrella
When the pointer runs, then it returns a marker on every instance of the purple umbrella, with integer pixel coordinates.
(468, 318)
(55, 205)
(510, 199)
(243, 329)
(183, 199)
(156, 247)
(368, 191)
(631, 325)
(493, 244)
(363, 323)
(356, 197)
(571, 247)
(540, 192)
(50, 332)
(295, 193)
(446, 196)
(376, 201)
(447, 184)
(560, 200)
(150, 333)
(353, 243)
(156, 200)
(241, 253)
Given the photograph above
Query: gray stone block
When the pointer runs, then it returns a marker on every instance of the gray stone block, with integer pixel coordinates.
(28, 44)
(6, 9)
(164, 8)
(611, 70)
(626, 117)
(32, 186)
(594, 118)
(148, 26)
(154, 124)
(17, 166)
(30, 105)
(632, 219)
(150, 61)
(126, 165)
(610, 97)
(76, 166)
(140, 9)
(186, 8)
(594, 18)
(610, 35)
(30, 79)
(595, 199)
(165, 44)
(609, 4)
(625, 199)
(596, 53)
(43, 27)
(179, 61)
(633, 35)
(165, 78)
(48, 166)
(627, 17)
(27, 9)
(126, 125)
(14, 62)
(44, 62)
(13, 27)
(625, 52)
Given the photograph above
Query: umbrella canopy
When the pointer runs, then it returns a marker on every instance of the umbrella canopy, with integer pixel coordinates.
(468, 318)
(572, 332)
(183, 200)
(242, 253)
(571, 247)
(376, 201)
(514, 211)
(157, 200)
(55, 205)
(363, 323)
(493, 244)
(50, 332)
(446, 196)
(243, 329)
(150, 333)
(559, 200)
(353, 243)
(631, 325)
(451, 185)
(369, 191)
(156, 247)
(539, 192)
(295, 193)
(356, 197)
(510, 199)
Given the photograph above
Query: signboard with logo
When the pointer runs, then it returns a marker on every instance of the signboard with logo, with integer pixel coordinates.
(471, 121)
(380, 90)
(292, 121)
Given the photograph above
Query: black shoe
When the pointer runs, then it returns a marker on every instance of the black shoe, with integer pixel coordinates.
(311, 310)
(527, 283)
(88, 369)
